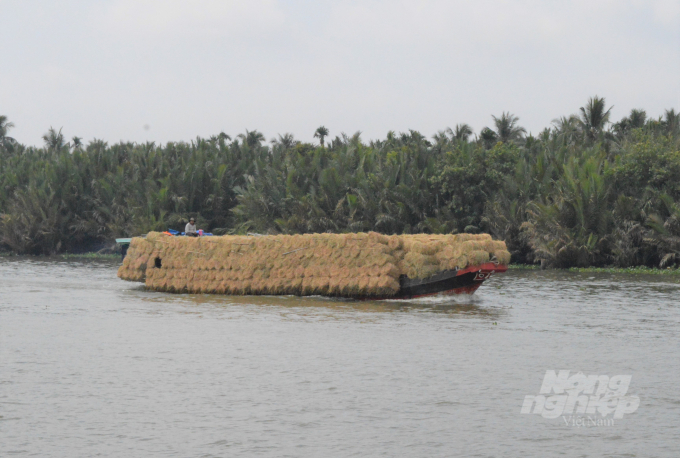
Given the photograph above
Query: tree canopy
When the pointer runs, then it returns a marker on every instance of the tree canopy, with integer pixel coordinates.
(584, 191)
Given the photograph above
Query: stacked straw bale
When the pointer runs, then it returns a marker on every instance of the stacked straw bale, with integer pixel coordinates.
(346, 265)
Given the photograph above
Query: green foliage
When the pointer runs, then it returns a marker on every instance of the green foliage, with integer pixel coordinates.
(583, 192)
(627, 270)
(53, 200)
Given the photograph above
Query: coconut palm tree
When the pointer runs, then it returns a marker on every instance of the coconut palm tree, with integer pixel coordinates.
(665, 231)
(637, 118)
(286, 141)
(488, 137)
(54, 140)
(440, 139)
(461, 132)
(77, 143)
(321, 133)
(252, 138)
(566, 128)
(5, 126)
(507, 128)
(671, 122)
(594, 117)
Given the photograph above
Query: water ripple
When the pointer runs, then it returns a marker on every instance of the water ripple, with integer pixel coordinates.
(90, 365)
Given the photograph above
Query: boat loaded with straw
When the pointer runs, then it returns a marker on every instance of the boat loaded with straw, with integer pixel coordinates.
(359, 265)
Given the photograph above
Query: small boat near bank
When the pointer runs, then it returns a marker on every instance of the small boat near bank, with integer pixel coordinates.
(360, 266)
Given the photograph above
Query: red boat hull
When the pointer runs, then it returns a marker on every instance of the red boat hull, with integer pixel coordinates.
(464, 281)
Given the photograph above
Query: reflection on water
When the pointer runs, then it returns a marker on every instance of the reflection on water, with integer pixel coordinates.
(93, 365)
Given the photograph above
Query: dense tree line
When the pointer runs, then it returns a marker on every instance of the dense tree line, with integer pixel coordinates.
(585, 191)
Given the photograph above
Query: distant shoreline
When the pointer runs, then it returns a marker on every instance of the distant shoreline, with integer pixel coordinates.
(92, 255)
(608, 270)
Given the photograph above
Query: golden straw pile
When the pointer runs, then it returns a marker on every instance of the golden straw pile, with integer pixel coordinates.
(313, 264)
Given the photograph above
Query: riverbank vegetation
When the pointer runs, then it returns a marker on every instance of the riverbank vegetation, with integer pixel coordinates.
(585, 191)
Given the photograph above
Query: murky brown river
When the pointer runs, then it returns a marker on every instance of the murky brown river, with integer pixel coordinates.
(93, 366)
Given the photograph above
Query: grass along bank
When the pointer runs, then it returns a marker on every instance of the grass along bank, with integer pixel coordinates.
(609, 270)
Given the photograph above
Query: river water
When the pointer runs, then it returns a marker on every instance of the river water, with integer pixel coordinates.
(94, 366)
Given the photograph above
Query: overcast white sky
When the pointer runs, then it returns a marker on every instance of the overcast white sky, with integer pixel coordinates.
(108, 68)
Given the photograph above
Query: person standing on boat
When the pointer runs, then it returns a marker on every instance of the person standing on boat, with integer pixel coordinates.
(190, 228)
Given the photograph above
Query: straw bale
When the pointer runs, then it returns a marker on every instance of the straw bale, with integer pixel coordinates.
(217, 286)
(421, 271)
(348, 288)
(449, 264)
(416, 259)
(345, 272)
(390, 270)
(296, 285)
(320, 285)
(433, 247)
(158, 284)
(247, 274)
(266, 286)
(388, 285)
(206, 288)
(447, 252)
(122, 272)
(378, 238)
(237, 287)
(291, 273)
(354, 251)
(477, 257)
(298, 271)
(253, 286)
(248, 288)
(225, 286)
(488, 245)
(503, 257)
(192, 288)
(335, 264)
(334, 286)
(307, 286)
(363, 285)
(395, 243)
(274, 286)
(138, 263)
(233, 287)
(382, 260)
(499, 245)
(472, 245)
(176, 285)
